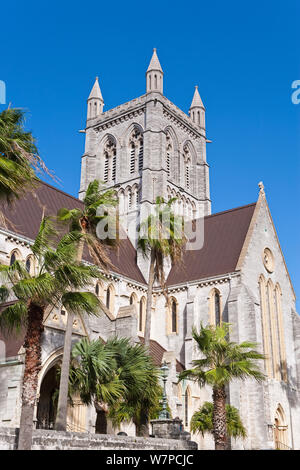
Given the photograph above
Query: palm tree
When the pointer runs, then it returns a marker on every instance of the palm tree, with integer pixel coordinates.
(93, 374)
(161, 236)
(222, 361)
(143, 393)
(59, 280)
(18, 156)
(202, 421)
(119, 378)
(83, 223)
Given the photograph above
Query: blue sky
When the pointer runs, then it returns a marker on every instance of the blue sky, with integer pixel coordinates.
(243, 55)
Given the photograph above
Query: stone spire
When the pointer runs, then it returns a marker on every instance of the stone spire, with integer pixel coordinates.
(197, 110)
(154, 75)
(95, 101)
(261, 188)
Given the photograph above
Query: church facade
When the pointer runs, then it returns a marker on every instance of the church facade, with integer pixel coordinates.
(143, 149)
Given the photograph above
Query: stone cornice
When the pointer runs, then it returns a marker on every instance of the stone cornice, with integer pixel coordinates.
(221, 279)
(119, 114)
(16, 238)
(177, 116)
(136, 107)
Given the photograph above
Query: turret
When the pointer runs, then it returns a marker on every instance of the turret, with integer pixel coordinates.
(154, 75)
(95, 101)
(197, 110)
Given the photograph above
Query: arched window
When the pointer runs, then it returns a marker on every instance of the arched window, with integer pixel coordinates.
(132, 158)
(129, 199)
(110, 298)
(134, 198)
(29, 265)
(106, 164)
(280, 429)
(280, 329)
(187, 166)
(142, 314)
(265, 325)
(272, 329)
(110, 160)
(141, 155)
(137, 197)
(136, 146)
(169, 153)
(114, 167)
(15, 255)
(215, 307)
(99, 289)
(174, 316)
(133, 299)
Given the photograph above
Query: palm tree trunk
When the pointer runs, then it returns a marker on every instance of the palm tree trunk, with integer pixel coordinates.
(219, 418)
(32, 347)
(142, 426)
(101, 419)
(149, 300)
(62, 406)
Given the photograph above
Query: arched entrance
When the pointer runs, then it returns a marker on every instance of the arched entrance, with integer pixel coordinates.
(47, 404)
(280, 430)
(46, 411)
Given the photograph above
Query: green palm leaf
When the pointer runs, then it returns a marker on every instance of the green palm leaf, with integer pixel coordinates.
(81, 302)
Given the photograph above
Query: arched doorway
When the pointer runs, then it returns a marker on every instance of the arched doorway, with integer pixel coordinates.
(47, 405)
(280, 430)
(46, 411)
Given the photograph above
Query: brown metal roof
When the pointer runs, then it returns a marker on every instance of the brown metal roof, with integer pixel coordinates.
(224, 236)
(157, 351)
(24, 218)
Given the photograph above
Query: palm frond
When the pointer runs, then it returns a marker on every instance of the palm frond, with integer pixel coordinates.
(45, 237)
(13, 318)
(81, 303)
(4, 294)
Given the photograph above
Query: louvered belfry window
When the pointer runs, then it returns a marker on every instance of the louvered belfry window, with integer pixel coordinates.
(110, 160)
(136, 146)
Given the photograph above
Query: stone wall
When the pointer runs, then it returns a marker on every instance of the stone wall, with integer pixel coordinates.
(53, 440)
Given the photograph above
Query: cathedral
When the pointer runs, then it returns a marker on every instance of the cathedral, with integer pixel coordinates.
(143, 149)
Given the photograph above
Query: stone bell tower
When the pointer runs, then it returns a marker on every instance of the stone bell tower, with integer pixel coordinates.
(148, 147)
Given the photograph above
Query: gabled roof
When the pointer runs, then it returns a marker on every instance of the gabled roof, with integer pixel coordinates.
(157, 351)
(224, 236)
(25, 215)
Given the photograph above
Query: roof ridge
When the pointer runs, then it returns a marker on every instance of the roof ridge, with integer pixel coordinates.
(60, 191)
(231, 210)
